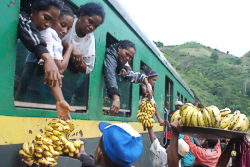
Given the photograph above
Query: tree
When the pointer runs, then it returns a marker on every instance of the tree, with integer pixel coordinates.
(158, 44)
(215, 57)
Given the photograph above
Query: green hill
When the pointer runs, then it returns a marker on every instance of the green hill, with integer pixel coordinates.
(215, 77)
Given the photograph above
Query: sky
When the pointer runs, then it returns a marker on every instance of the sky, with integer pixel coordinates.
(220, 24)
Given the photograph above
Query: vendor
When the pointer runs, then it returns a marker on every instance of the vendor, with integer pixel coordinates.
(117, 57)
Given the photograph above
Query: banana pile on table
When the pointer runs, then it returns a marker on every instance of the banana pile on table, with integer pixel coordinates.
(190, 115)
(146, 112)
(45, 148)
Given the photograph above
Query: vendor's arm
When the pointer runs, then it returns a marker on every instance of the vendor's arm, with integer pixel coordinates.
(62, 107)
(225, 156)
(172, 151)
(32, 40)
(161, 121)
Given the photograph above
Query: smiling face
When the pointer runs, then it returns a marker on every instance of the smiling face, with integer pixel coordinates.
(125, 55)
(87, 24)
(63, 25)
(43, 19)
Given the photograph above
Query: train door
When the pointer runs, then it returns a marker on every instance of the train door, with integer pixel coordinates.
(168, 104)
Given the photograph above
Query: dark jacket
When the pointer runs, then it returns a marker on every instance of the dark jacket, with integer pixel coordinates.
(112, 68)
(30, 36)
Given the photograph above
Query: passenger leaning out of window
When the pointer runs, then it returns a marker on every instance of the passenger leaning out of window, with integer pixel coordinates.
(116, 61)
(43, 14)
(90, 17)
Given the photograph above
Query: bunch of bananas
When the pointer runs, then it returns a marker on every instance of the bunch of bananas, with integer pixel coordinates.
(190, 115)
(44, 150)
(146, 112)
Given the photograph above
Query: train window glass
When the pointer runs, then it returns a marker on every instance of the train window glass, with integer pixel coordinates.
(182, 98)
(185, 100)
(29, 90)
(125, 89)
(168, 102)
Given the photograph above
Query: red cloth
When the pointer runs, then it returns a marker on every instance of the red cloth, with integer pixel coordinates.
(169, 135)
(203, 155)
(243, 153)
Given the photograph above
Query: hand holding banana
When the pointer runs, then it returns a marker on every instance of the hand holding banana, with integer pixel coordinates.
(44, 150)
(146, 112)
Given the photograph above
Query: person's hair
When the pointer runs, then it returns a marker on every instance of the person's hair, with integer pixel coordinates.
(108, 162)
(212, 143)
(92, 8)
(38, 5)
(66, 11)
(126, 44)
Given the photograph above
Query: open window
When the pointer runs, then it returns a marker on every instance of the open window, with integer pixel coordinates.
(185, 100)
(178, 96)
(125, 89)
(29, 89)
(168, 104)
(144, 69)
(182, 98)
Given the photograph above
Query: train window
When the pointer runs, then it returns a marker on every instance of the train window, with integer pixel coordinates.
(29, 90)
(185, 100)
(182, 98)
(125, 89)
(168, 104)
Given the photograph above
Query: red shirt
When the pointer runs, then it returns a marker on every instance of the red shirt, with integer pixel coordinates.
(169, 135)
(203, 155)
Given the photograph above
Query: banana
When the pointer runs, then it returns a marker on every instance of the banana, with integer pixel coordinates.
(77, 151)
(56, 133)
(225, 121)
(46, 162)
(31, 148)
(186, 105)
(184, 113)
(201, 122)
(38, 155)
(176, 116)
(47, 141)
(55, 153)
(70, 124)
(246, 125)
(47, 154)
(39, 143)
(54, 138)
(215, 116)
(66, 129)
(194, 118)
(44, 147)
(58, 148)
(24, 154)
(50, 159)
(48, 128)
(48, 134)
(240, 123)
(188, 116)
(59, 128)
(71, 154)
(66, 150)
(38, 137)
(224, 112)
(57, 143)
(71, 147)
(206, 118)
(234, 121)
(38, 150)
(26, 147)
(63, 139)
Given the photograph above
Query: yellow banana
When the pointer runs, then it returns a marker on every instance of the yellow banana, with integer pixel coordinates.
(176, 116)
(48, 128)
(240, 123)
(31, 148)
(54, 138)
(26, 147)
(71, 154)
(226, 121)
(215, 116)
(189, 116)
(38, 137)
(201, 122)
(71, 147)
(48, 134)
(38, 155)
(206, 118)
(66, 129)
(38, 150)
(44, 147)
(225, 112)
(194, 118)
(66, 150)
(58, 148)
(234, 121)
(47, 154)
(56, 133)
(47, 141)
(46, 162)
(24, 154)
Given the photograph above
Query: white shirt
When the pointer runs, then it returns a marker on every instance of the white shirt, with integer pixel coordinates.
(54, 44)
(160, 158)
(86, 45)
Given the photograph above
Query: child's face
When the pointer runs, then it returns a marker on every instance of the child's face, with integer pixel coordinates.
(87, 24)
(43, 19)
(153, 80)
(63, 25)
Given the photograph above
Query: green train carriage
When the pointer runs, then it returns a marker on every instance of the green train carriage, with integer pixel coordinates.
(22, 118)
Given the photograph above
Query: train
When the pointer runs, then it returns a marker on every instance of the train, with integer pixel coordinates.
(22, 117)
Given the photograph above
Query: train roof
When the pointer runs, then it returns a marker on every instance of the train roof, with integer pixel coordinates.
(124, 14)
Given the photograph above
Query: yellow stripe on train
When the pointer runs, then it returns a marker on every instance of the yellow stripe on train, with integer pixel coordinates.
(16, 130)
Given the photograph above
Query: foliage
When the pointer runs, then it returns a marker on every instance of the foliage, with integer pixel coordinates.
(159, 44)
(216, 78)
